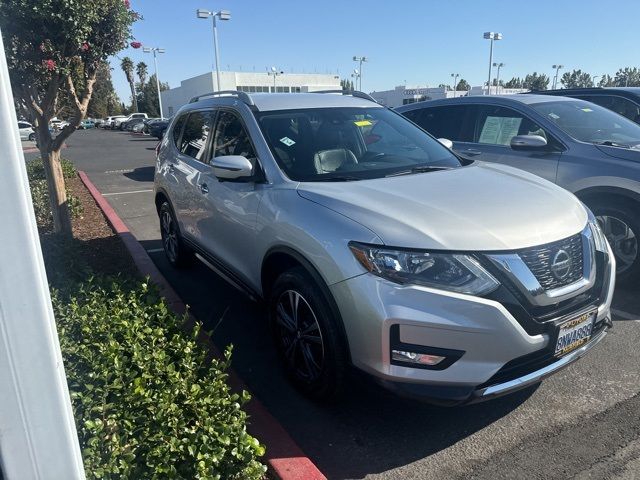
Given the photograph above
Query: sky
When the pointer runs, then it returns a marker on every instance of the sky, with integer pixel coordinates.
(412, 42)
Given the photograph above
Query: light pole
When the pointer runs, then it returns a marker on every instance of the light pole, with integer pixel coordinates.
(555, 79)
(274, 71)
(499, 65)
(491, 36)
(455, 83)
(360, 60)
(593, 79)
(222, 15)
(155, 51)
(356, 75)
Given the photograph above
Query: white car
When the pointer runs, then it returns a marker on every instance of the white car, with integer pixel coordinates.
(57, 124)
(26, 131)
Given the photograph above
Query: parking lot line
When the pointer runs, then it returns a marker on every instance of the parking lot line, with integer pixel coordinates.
(126, 193)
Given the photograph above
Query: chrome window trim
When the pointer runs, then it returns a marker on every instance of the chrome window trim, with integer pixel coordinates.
(512, 265)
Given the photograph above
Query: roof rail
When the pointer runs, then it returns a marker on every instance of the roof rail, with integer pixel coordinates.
(225, 93)
(353, 93)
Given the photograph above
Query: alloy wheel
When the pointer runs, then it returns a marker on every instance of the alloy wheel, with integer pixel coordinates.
(623, 241)
(169, 236)
(299, 336)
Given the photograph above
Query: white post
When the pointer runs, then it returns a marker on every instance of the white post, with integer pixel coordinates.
(217, 53)
(38, 438)
(490, 64)
(155, 64)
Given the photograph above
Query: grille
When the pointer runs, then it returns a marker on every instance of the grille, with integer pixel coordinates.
(540, 260)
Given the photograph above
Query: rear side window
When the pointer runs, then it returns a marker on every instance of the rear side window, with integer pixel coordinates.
(177, 129)
(193, 142)
(443, 122)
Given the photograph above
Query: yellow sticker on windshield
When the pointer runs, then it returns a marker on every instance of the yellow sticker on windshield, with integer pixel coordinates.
(363, 123)
(586, 110)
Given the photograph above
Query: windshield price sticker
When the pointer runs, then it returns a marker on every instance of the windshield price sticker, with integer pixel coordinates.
(287, 141)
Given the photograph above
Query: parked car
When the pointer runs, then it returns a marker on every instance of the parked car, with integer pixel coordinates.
(587, 149)
(373, 245)
(57, 124)
(137, 128)
(129, 124)
(26, 131)
(111, 121)
(622, 100)
(158, 128)
(121, 124)
(86, 124)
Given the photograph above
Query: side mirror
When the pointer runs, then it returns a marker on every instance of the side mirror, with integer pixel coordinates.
(232, 167)
(446, 142)
(528, 142)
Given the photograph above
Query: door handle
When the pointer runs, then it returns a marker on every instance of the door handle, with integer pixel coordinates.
(204, 188)
(472, 152)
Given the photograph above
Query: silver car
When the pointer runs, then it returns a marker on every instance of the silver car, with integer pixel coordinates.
(376, 247)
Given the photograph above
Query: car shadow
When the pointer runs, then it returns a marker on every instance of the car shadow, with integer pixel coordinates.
(141, 174)
(367, 431)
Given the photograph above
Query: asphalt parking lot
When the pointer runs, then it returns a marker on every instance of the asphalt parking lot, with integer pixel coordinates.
(580, 423)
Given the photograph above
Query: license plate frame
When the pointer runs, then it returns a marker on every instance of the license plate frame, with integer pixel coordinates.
(574, 332)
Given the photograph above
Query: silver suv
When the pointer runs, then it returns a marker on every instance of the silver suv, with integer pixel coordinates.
(375, 246)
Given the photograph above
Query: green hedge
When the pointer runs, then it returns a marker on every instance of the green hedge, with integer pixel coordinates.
(40, 192)
(147, 403)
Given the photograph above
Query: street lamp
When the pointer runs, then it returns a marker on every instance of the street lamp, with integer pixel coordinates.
(222, 15)
(356, 75)
(360, 60)
(155, 51)
(455, 83)
(593, 79)
(274, 71)
(555, 79)
(491, 36)
(499, 65)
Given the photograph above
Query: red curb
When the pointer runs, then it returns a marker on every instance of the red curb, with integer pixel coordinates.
(285, 458)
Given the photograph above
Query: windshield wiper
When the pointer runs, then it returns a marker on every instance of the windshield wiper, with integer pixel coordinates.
(336, 178)
(419, 169)
(609, 143)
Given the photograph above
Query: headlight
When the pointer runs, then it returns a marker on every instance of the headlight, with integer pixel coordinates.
(598, 235)
(454, 272)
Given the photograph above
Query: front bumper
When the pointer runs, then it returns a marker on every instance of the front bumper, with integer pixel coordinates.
(487, 333)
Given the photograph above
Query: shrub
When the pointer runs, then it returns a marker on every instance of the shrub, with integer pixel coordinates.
(147, 402)
(40, 192)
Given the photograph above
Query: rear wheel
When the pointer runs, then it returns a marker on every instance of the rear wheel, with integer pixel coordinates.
(32, 137)
(620, 222)
(307, 334)
(178, 254)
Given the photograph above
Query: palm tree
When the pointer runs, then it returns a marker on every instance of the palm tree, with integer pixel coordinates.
(127, 67)
(141, 70)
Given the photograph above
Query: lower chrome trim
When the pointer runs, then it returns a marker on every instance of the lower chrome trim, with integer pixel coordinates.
(532, 378)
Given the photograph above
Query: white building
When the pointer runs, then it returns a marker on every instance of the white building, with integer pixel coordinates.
(403, 95)
(174, 98)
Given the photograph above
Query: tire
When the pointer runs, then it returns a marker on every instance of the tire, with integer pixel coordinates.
(620, 222)
(177, 253)
(32, 137)
(316, 361)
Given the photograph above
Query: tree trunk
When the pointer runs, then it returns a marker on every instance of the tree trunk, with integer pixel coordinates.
(55, 182)
(134, 97)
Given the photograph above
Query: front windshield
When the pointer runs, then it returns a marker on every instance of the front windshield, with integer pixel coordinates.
(591, 123)
(349, 144)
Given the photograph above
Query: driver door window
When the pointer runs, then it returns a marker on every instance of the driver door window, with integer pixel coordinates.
(498, 125)
(231, 138)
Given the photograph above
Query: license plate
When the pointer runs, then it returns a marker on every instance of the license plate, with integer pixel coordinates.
(574, 333)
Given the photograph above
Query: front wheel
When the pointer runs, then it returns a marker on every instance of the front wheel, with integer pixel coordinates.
(178, 254)
(307, 334)
(620, 222)
(32, 137)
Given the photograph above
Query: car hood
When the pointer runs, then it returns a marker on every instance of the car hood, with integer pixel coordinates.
(482, 207)
(632, 153)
